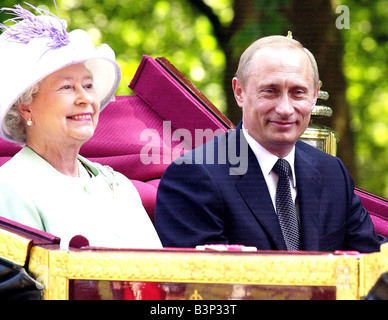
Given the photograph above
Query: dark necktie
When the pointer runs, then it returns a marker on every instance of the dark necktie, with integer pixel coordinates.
(285, 207)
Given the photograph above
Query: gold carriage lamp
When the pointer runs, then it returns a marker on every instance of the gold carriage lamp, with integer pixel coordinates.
(319, 136)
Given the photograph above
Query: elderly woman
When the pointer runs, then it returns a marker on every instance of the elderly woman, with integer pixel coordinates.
(53, 86)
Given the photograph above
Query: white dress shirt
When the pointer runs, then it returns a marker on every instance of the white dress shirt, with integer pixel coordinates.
(266, 161)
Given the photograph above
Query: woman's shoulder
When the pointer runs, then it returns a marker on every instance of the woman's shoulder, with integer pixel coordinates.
(17, 163)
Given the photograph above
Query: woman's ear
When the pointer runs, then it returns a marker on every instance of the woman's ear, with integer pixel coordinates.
(25, 112)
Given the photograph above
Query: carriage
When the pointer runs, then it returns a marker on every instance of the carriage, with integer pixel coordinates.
(139, 135)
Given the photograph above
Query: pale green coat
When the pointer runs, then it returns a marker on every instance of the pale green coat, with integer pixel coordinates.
(106, 209)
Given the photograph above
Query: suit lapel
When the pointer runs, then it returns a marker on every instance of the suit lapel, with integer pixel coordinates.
(254, 191)
(309, 193)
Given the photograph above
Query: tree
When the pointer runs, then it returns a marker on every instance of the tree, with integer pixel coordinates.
(366, 68)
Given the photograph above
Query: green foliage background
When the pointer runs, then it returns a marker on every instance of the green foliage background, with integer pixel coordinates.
(365, 68)
(174, 30)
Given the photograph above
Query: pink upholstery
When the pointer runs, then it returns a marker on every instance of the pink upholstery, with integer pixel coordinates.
(37, 237)
(147, 191)
(378, 209)
(7, 150)
(172, 99)
(117, 142)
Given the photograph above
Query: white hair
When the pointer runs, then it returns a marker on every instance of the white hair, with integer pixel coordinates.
(14, 122)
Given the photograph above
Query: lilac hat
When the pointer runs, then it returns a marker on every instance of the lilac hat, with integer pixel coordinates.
(38, 45)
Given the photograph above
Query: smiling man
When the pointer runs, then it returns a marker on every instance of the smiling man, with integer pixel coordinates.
(292, 196)
(277, 97)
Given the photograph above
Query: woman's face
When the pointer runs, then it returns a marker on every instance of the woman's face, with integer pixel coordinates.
(65, 110)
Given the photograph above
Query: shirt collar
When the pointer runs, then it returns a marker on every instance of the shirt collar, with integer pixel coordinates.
(266, 159)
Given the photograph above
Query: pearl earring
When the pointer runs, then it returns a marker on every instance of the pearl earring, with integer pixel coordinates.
(29, 122)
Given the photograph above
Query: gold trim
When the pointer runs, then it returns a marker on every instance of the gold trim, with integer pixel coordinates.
(315, 133)
(371, 267)
(323, 95)
(322, 111)
(384, 248)
(195, 267)
(13, 247)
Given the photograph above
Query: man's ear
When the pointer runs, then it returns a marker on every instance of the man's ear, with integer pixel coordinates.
(238, 91)
(315, 97)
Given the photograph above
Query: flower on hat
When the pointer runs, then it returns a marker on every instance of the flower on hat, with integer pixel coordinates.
(31, 27)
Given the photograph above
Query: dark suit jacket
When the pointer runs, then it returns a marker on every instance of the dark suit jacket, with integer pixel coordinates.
(211, 203)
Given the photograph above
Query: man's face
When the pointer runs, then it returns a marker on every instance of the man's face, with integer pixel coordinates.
(277, 98)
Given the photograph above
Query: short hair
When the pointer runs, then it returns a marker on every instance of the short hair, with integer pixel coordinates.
(280, 42)
(14, 122)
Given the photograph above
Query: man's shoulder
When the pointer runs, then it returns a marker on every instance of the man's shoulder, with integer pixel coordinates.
(327, 164)
(207, 150)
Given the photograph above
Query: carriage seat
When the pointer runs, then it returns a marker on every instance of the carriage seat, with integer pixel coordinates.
(137, 127)
(378, 209)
